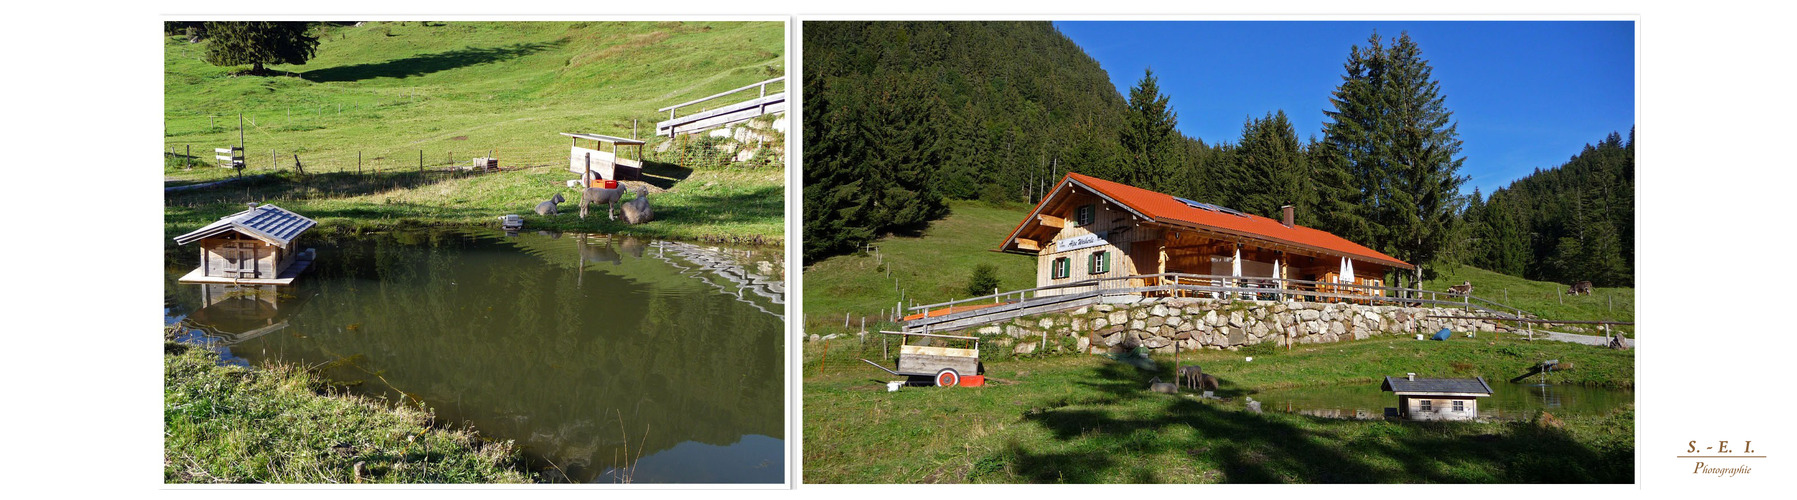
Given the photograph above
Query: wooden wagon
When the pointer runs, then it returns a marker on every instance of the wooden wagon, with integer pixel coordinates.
(941, 365)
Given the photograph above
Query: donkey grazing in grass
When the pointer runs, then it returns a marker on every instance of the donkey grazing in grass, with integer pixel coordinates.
(1580, 288)
(1194, 377)
(1464, 288)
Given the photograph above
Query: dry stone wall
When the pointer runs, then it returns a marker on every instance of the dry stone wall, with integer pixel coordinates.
(1160, 324)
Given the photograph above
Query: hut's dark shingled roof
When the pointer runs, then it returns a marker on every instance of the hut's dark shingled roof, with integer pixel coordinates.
(267, 222)
(1456, 385)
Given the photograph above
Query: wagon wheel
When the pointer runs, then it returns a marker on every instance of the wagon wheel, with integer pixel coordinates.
(948, 377)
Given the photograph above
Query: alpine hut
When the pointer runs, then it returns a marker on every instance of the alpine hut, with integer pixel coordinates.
(1089, 228)
(1437, 398)
(258, 246)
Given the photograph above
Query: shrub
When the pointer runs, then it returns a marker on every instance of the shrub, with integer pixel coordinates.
(983, 280)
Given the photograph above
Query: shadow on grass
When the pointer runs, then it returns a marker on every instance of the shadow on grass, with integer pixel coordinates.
(428, 63)
(754, 206)
(1110, 438)
(664, 175)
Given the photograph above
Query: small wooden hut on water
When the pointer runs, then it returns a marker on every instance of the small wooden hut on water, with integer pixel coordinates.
(1088, 228)
(1437, 398)
(259, 246)
(606, 165)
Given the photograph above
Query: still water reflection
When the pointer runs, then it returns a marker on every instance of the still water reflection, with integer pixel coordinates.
(593, 353)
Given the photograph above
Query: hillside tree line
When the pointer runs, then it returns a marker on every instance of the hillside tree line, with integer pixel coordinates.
(903, 116)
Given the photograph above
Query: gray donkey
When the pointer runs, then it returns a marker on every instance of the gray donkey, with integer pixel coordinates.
(548, 207)
(637, 210)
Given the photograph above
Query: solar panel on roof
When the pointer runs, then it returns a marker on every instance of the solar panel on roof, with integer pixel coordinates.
(1210, 207)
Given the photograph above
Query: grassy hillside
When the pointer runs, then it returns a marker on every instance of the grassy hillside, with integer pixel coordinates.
(381, 98)
(934, 267)
(1545, 299)
(390, 89)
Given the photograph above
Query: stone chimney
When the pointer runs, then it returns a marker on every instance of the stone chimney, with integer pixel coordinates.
(1410, 376)
(1287, 211)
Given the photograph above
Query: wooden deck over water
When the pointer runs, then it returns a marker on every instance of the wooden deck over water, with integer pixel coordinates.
(285, 278)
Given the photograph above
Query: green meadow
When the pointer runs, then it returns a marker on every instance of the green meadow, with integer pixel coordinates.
(1087, 419)
(379, 118)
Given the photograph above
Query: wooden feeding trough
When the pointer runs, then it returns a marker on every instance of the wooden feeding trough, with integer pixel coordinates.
(607, 165)
(943, 366)
(259, 246)
(1437, 398)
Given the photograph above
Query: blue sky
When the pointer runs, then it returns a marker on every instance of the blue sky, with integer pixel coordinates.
(1526, 94)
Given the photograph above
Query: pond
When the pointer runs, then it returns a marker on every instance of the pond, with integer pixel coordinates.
(1508, 401)
(592, 352)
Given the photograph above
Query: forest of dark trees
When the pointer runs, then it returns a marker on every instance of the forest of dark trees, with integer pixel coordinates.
(902, 116)
(1566, 224)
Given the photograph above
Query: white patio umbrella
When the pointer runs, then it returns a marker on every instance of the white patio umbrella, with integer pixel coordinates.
(1235, 267)
(1278, 273)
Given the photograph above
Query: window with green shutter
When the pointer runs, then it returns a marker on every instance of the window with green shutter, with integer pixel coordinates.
(1099, 263)
(1061, 268)
(1085, 214)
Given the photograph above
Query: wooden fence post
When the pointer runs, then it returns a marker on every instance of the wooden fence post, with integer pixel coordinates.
(421, 160)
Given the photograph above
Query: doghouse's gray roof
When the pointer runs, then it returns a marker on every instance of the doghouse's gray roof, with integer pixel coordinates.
(268, 223)
(1462, 386)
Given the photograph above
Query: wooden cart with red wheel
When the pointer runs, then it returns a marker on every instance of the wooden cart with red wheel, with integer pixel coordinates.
(939, 365)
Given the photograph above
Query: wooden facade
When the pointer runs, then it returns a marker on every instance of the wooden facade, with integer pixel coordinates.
(1085, 223)
(259, 246)
(237, 255)
(1438, 398)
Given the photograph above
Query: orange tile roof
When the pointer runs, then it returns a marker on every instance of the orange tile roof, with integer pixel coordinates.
(1166, 209)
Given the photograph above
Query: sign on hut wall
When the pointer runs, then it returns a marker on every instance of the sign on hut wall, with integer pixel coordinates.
(1079, 242)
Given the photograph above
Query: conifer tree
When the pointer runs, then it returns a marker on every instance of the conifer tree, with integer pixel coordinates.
(1421, 157)
(1391, 137)
(1148, 136)
(231, 43)
(1347, 159)
(1272, 169)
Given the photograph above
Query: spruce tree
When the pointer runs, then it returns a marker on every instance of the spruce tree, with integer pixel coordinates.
(1392, 141)
(1502, 244)
(1271, 169)
(1421, 157)
(232, 43)
(1348, 164)
(1148, 136)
